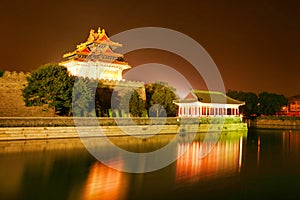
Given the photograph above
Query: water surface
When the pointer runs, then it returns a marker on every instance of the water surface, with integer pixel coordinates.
(265, 164)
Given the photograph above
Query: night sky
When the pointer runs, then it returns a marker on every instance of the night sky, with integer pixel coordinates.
(255, 44)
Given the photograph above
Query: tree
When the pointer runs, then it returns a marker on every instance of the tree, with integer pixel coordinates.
(251, 100)
(83, 97)
(103, 100)
(1, 73)
(128, 101)
(136, 105)
(271, 103)
(160, 97)
(51, 85)
(265, 103)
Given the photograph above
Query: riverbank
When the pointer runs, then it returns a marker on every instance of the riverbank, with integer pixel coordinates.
(106, 121)
(55, 128)
(274, 122)
(26, 133)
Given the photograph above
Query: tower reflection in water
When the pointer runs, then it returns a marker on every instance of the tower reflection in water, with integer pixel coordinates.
(225, 158)
(105, 183)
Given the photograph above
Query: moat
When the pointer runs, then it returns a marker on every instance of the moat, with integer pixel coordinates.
(263, 164)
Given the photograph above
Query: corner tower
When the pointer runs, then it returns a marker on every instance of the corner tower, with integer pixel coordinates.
(96, 58)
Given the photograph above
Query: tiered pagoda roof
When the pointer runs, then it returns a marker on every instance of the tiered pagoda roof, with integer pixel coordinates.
(98, 47)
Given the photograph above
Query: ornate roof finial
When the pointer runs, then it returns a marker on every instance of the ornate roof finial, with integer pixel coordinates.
(91, 36)
(99, 30)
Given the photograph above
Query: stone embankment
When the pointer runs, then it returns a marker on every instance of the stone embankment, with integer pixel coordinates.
(53, 128)
(275, 122)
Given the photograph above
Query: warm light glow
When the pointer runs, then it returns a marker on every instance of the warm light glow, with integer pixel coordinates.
(96, 70)
(226, 157)
(241, 117)
(258, 150)
(105, 183)
(241, 153)
(96, 59)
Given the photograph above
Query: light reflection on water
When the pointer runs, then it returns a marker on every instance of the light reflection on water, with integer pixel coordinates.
(225, 158)
(236, 167)
(105, 183)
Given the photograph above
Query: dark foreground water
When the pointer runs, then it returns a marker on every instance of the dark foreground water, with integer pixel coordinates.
(263, 165)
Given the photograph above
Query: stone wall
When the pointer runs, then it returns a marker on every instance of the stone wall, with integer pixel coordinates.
(275, 122)
(12, 103)
(28, 133)
(13, 128)
(125, 85)
(105, 121)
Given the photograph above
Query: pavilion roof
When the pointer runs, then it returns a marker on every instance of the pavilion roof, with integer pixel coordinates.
(209, 97)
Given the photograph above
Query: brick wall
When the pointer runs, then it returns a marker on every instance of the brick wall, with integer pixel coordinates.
(11, 99)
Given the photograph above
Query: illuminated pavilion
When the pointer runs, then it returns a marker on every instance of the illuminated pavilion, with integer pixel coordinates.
(96, 58)
(207, 103)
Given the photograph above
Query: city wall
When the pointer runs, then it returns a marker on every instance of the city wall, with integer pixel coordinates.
(12, 103)
(17, 121)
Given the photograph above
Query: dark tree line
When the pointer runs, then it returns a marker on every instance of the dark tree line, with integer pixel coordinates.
(52, 85)
(262, 104)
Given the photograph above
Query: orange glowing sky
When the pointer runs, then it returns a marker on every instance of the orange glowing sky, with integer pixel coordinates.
(255, 44)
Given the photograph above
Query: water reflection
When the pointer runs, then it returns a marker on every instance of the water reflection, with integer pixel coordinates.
(63, 169)
(258, 150)
(105, 183)
(51, 169)
(291, 139)
(225, 158)
(10, 186)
